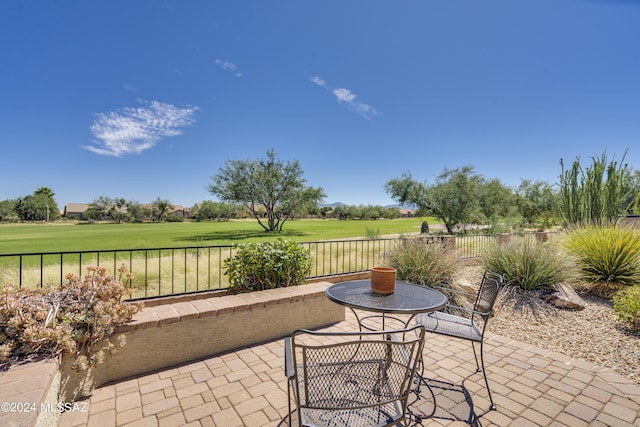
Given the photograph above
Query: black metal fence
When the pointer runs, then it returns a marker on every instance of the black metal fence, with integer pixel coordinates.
(170, 271)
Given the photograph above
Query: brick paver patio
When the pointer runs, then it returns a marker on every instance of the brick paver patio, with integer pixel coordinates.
(531, 387)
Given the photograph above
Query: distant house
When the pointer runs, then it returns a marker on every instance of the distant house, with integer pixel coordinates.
(180, 211)
(177, 210)
(407, 213)
(75, 210)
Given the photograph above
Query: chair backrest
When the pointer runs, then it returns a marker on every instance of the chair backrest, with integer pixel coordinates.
(487, 293)
(352, 371)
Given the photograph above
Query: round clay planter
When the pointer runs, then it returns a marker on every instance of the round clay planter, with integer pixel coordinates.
(383, 280)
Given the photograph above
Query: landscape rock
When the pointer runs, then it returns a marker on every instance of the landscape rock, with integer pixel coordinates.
(562, 295)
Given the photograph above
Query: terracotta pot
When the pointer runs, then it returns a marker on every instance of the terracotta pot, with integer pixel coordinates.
(383, 280)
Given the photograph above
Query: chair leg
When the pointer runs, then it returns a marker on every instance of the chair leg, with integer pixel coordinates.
(289, 402)
(475, 355)
(484, 373)
(421, 375)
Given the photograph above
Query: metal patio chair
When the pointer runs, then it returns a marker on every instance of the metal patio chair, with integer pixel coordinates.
(351, 379)
(467, 323)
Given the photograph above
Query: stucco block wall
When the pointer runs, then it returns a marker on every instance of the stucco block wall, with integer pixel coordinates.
(166, 335)
(169, 335)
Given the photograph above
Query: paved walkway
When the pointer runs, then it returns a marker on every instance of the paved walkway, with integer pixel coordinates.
(531, 387)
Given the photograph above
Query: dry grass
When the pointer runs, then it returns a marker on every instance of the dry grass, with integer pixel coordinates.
(169, 272)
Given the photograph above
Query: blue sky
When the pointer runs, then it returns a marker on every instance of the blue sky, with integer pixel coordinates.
(148, 98)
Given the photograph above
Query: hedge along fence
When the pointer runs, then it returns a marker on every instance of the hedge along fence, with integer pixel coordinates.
(183, 270)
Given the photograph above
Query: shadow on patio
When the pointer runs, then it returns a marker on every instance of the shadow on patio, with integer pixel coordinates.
(247, 387)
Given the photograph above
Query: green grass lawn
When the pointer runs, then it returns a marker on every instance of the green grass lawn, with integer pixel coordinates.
(62, 237)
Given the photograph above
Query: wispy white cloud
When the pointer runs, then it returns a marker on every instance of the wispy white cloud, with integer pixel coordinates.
(130, 88)
(317, 80)
(134, 130)
(347, 97)
(344, 95)
(228, 66)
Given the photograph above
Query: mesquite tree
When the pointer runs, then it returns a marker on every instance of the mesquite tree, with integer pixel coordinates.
(458, 197)
(267, 188)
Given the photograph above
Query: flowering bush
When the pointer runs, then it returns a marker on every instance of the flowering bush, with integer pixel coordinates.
(78, 318)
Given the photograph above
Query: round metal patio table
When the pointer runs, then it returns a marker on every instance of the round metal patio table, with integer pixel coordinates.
(407, 299)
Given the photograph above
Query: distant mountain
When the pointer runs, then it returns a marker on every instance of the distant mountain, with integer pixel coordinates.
(334, 205)
(406, 207)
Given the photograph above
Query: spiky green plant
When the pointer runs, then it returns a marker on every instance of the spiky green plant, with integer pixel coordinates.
(599, 194)
(527, 264)
(608, 256)
(421, 263)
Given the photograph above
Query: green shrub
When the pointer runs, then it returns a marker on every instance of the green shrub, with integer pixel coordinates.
(267, 265)
(372, 234)
(626, 305)
(417, 262)
(608, 256)
(527, 264)
(509, 224)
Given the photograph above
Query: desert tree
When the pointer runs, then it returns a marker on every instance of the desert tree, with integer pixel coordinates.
(161, 208)
(218, 211)
(99, 209)
(8, 210)
(39, 206)
(458, 196)
(267, 187)
(537, 203)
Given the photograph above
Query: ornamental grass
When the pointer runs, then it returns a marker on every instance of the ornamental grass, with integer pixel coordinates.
(417, 261)
(528, 265)
(608, 257)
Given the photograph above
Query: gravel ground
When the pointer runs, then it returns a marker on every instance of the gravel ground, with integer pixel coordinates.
(592, 334)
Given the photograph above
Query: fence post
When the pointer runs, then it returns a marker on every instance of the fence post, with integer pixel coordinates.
(541, 236)
(449, 243)
(503, 238)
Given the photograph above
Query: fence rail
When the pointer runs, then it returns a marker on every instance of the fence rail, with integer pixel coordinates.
(171, 271)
